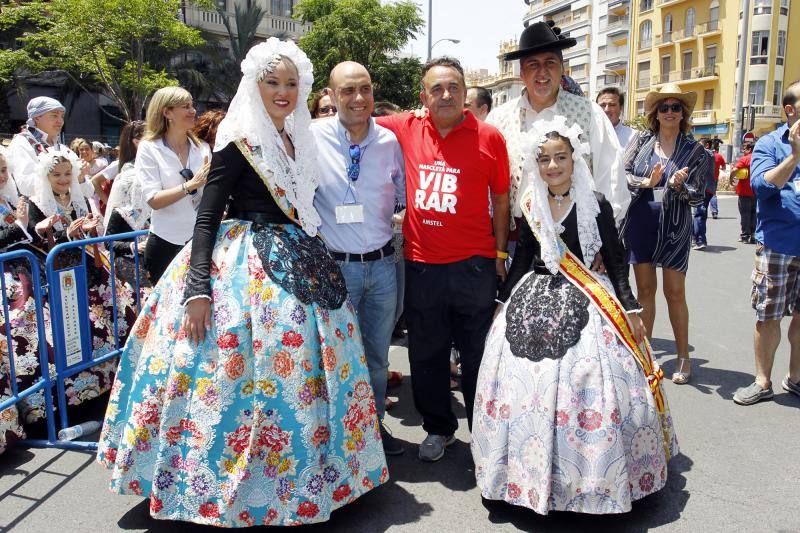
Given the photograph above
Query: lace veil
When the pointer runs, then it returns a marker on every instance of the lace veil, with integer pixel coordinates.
(546, 229)
(43, 195)
(247, 119)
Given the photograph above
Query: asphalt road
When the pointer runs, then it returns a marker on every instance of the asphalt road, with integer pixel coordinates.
(738, 470)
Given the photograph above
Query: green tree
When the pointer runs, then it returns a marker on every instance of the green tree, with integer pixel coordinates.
(639, 122)
(108, 43)
(369, 33)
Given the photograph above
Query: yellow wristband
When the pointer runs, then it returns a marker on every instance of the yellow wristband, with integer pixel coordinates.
(502, 255)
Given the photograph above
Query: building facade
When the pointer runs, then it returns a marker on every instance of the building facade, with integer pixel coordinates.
(506, 84)
(574, 18)
(277, 21)
(694, 43)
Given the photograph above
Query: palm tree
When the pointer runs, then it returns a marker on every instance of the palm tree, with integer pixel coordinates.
(247, 21)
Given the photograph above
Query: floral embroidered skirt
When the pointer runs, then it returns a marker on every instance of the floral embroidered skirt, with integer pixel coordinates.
(83, 386)
(271, 420)
(564, 418)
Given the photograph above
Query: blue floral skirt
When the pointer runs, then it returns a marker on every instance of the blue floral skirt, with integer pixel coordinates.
(271, 419)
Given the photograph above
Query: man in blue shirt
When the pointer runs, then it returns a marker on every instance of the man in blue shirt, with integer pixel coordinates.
(362, 177)
(775, 179)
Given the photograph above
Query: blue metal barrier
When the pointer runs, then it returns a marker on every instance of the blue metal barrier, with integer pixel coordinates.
(65, 370)
(44, 383)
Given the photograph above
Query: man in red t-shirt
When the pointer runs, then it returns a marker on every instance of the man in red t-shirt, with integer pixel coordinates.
(747, 202)
(454, 249)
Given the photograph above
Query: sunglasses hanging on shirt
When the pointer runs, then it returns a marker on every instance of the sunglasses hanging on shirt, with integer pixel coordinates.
(187, 174)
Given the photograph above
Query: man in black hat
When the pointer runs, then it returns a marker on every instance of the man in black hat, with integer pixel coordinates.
(541, 67)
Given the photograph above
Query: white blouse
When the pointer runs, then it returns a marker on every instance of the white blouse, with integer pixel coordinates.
(158, 169)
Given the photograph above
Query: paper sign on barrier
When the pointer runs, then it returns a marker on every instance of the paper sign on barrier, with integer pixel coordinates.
(71, 318)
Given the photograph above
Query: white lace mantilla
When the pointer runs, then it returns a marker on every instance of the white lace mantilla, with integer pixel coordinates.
(247, 120)
(535, 206)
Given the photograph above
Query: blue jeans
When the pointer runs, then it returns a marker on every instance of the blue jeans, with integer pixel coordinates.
(714, 206)
(700, 217)
(372, 287)
(400, 270)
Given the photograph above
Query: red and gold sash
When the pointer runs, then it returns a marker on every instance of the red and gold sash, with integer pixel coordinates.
(614, 314)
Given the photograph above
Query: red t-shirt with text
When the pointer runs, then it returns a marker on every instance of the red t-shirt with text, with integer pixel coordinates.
(448, 181)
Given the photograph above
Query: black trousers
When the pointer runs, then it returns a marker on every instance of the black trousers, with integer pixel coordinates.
(447, 304)
(747, 214)
(158, 254)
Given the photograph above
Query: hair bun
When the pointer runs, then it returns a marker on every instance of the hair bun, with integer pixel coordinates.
(551, 23)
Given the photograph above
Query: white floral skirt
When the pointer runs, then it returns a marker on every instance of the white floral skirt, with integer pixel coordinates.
(560, 423)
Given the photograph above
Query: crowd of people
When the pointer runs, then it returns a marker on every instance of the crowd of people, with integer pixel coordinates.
(287, 242)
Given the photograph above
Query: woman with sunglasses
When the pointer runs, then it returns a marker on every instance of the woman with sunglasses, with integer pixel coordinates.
(172, 166)
(243, 396)
(322, 105)
(666, 170)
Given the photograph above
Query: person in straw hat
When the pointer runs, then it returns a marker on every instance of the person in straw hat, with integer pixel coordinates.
(541, 68)
(666, 171)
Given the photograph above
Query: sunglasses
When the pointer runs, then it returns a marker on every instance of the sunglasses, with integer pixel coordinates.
(326, 109)
(355, 162)
(187, 174)
(663, 108)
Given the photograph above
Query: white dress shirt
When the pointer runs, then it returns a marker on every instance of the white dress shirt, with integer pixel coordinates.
(158, 169)
(624, 134)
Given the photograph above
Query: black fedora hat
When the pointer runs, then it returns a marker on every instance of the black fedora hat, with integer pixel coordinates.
(540, 37)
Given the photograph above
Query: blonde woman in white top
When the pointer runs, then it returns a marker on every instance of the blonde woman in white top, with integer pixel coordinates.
(172, 165)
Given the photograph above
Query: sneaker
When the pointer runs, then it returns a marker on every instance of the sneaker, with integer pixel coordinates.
(391, 446)
(751, 394)
(789, 386)
(714, 216)
(432, 448)
(699, 246)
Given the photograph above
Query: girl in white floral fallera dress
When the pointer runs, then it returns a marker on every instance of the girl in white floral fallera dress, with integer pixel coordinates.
(569, 412)
(243, 395)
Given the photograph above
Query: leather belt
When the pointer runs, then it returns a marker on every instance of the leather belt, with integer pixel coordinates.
(374, 255)
(260, 217)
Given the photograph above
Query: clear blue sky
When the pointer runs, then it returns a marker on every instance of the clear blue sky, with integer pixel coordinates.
(480, 25)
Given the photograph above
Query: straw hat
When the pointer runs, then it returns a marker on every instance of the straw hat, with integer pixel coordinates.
(670, 90)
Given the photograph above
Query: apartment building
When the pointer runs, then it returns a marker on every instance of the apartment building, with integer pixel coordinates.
(601, 28)
(694, 43)
(506, 84)
(277, 21)
(574, 18)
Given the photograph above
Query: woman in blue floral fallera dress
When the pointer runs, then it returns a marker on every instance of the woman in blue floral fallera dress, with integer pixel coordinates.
(270, 418)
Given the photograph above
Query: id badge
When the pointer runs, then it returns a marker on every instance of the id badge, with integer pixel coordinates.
(658, 194)
(350, 214)
(797, 187)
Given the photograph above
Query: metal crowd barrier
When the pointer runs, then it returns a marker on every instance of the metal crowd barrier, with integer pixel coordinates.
(79, 310)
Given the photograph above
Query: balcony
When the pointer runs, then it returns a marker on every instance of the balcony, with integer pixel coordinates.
(618, 6)
(708, 28)
(608, 54)
(612, 81)
(543, 7)
(620, 24)
(664, 39)
(769, 111)
(270, 25)
(704, 116)
(572, 19)
(687, 76)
